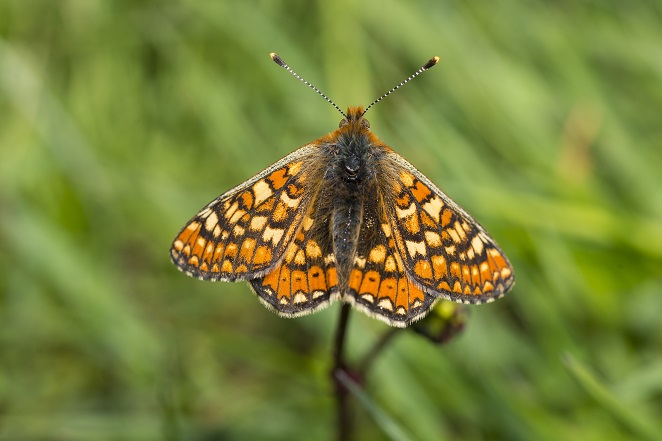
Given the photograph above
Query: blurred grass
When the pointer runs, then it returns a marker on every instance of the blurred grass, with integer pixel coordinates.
(118, 120)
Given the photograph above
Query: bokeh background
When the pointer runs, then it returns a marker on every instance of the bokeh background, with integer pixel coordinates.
(120, 119)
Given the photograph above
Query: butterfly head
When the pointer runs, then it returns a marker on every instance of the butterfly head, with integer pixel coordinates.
(352, 144)
(354, 120)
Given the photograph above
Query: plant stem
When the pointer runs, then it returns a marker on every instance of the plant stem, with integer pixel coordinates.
(342, 394)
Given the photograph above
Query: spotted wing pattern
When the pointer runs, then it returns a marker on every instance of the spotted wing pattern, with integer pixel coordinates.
(305, 280)
(245, 231)
(443, 249)
(378, 284)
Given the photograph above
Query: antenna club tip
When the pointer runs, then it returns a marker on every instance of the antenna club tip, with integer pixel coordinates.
(431, 62)
(279, 61)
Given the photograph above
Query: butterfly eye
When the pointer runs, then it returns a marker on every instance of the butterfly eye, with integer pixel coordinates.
(343, 123)
(365, 123)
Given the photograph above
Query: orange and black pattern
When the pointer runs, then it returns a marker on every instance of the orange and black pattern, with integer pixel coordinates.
(345, 218)
(443, 248)
(306, 278)
(242, 232)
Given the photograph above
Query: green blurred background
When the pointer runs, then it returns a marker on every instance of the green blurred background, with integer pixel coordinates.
(120, 119)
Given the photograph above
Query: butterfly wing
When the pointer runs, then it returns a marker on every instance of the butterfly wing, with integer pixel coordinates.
(305, 281)
(378, 283)
(245, 231)
(443, 249)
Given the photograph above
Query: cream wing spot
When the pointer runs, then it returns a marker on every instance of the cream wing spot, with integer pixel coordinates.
(414, 248)
(477, 245)
(236, 216)
(230, 211)
(460, 231)
(258, 222)
(386, 304)
(470, 253)
(273, 234)
(409, 211)
(433, 239)
(262, 191)
(211, 222)
(292, 203)
(434, 207)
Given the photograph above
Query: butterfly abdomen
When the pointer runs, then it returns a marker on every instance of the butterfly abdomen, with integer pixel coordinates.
(345, 226)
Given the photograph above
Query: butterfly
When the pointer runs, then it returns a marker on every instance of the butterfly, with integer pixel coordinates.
(345, 218)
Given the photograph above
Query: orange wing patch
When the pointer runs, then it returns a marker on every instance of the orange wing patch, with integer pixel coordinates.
(245, 231)
(443, 249)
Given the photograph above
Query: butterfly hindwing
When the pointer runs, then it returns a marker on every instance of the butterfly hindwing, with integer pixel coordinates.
(245, 231)
(305, 280)
(443, 248)
(378, 284)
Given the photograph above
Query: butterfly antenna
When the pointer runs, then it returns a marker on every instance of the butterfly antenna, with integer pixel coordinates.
(279, 61)
(431, 62)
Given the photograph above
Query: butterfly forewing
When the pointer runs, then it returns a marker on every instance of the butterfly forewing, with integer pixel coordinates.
(245, 231)
(442, 247)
